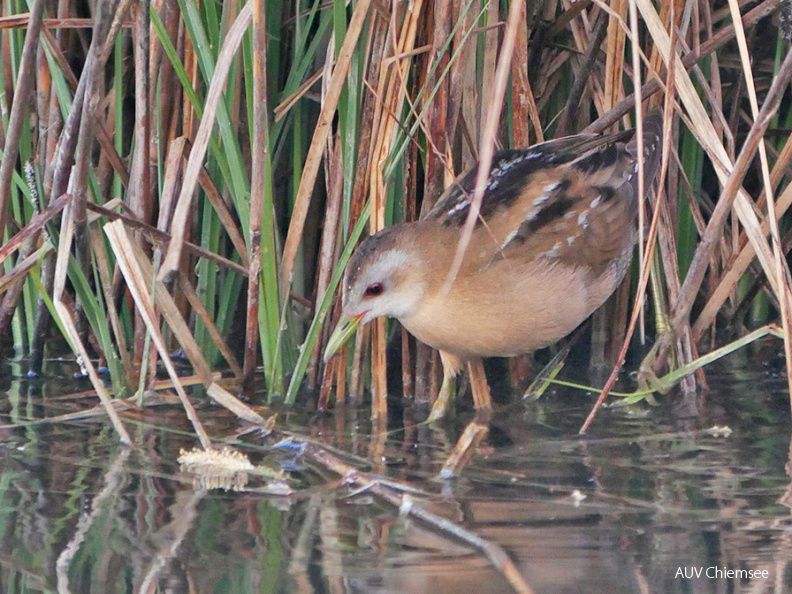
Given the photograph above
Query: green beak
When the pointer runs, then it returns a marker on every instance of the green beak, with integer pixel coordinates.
(346, 327)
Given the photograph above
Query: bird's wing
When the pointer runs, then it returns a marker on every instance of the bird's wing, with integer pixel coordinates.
(572, 199)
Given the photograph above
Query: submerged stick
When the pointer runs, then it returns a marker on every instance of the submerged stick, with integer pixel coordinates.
(407, 506)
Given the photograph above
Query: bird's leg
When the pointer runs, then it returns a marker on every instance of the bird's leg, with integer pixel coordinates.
(478, 385)
(451, 366)
(440, 406)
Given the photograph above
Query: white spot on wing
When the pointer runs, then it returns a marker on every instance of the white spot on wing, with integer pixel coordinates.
(547, 191)
(539, 202)
(503, 166)
(509, 238)
(551, 253)
(462, 205)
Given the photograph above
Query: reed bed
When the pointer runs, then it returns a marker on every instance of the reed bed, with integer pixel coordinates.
(195, 175)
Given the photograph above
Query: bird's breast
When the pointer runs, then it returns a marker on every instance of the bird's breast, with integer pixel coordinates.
(504, 312)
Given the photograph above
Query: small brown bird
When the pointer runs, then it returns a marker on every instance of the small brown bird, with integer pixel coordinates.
(553, 240)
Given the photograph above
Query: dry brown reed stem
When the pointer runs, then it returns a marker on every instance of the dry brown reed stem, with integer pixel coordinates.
(614, 55)
(106, 283)
(642, 282)
(19, 110)
(488, 138)
(391, 92)
(67, 320)
(202, 314)
(138, 273)
(318, 142)
(94, 74)
(27, 259)
(36, 224)
(488, 91)
(387, 491)
(22, 21)
(157, 237)
(636, 65)
(280, 110)
(566, 18)
(181, 217)
(693, 57)
(734, 270)
(712, 234)
(370, 105)
(115, 25)
(138, 195)
(257, 186)
(465, 447)
(174, 162)
(225, 216)
(327, 246)
(523, 105)
(468, 119)
(53, 127)
(781, 268)
(701, 127)
(584, 72)
(437, 109)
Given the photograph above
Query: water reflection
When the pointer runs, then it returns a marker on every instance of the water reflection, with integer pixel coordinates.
(646, 503)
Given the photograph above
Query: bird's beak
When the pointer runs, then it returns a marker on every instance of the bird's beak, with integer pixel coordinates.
(347, 326)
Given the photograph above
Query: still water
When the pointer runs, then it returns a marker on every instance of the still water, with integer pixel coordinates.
(649, 501)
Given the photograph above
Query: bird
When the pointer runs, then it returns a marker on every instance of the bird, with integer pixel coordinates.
(553, 239)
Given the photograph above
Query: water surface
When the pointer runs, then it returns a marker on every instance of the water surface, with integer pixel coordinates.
(648, 501)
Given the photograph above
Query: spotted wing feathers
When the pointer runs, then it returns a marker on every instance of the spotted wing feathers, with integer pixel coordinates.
(572, 199)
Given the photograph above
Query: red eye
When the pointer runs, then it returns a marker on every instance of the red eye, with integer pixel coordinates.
(373, 290)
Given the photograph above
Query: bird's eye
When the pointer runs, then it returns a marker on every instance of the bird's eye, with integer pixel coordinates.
(373, 290)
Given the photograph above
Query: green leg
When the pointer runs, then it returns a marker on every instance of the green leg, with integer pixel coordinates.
(440, 407)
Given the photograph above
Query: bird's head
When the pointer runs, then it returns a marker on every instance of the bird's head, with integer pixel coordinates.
(384, 277)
